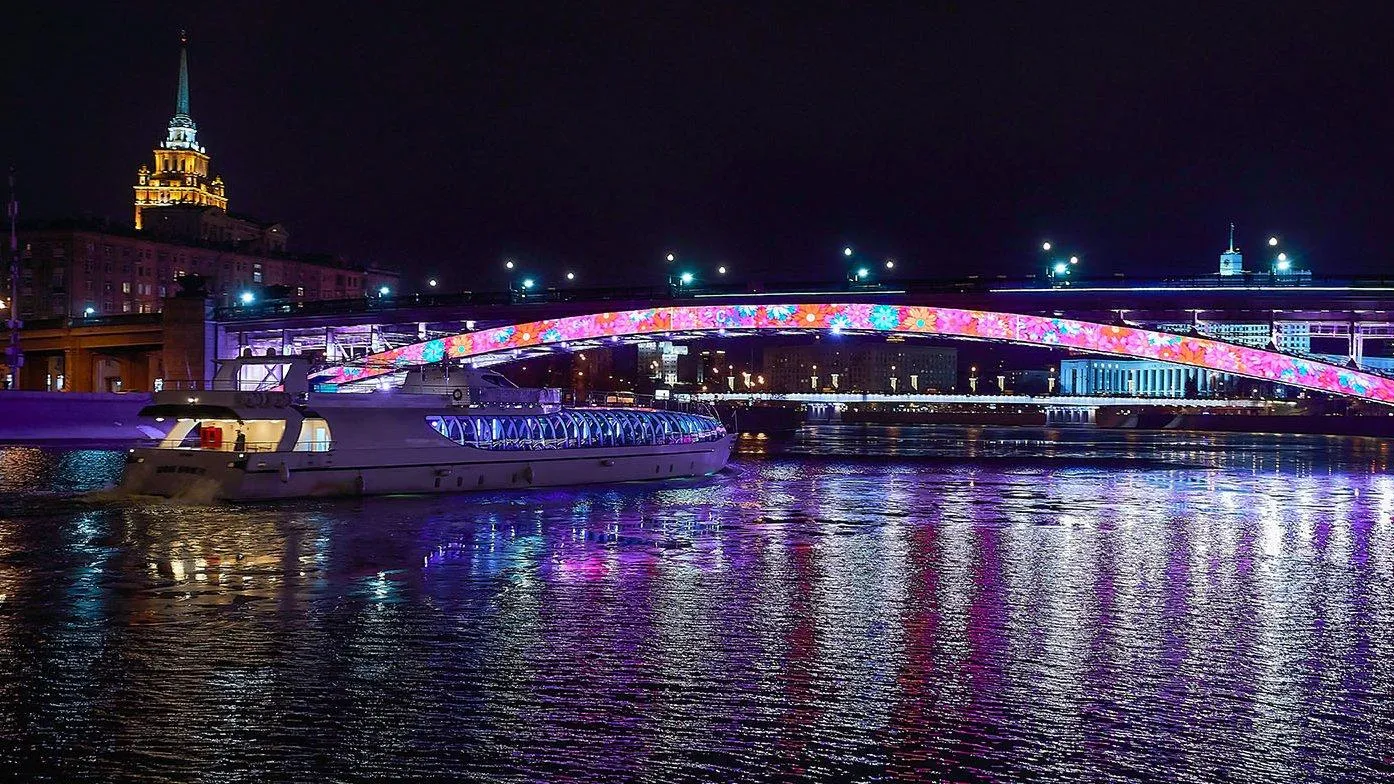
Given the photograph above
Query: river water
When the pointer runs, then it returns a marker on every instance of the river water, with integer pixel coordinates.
(857, 604)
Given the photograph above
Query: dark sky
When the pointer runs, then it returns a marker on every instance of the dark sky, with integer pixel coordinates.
(596, 137)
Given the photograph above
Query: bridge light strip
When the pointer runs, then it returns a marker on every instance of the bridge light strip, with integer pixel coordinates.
(1052, 332)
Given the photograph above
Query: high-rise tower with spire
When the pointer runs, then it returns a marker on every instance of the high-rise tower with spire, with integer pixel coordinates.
(181, 174)
(1231, 261)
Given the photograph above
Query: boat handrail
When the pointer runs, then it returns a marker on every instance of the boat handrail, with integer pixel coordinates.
(230, 446)
(599, 399)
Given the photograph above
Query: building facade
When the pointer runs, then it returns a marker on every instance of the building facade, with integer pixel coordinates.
(849, 366)
(82, 269)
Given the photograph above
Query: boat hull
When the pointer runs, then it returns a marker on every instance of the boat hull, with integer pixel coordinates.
(200, 474)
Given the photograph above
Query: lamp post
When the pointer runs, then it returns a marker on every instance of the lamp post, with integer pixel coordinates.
(1281, 264)
(1058, 268)
(14, 354)
(519, 288)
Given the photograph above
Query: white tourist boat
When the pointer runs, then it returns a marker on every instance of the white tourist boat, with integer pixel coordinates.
(260, 433)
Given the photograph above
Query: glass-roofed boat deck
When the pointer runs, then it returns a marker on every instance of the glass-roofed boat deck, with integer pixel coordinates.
(578, 429)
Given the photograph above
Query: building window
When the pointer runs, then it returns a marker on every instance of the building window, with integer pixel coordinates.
(126, 287)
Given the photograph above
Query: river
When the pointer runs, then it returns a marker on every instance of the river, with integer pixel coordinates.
(855, 604)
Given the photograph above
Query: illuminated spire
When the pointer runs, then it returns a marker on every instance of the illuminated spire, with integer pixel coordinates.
(1231, 261)
(181, 103)
(183, 133)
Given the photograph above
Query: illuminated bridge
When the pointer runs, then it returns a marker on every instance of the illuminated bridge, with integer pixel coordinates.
(1353, 318)
(1191, 352)
(1331, 335)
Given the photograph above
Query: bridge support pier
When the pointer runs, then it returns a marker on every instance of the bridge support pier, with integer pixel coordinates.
(78, 369)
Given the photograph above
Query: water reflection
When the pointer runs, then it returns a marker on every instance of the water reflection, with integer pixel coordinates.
(994, 605)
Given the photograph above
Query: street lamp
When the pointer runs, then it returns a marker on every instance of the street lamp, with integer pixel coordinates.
(570, 276)
(384, 291)
(431, 283)
(89, 311)
(890, 263)
(528, 283)
(508, 264)
(686, 278)
(671, 257)
(847, 252)
(1282, 263)
(721, 270)
(247, 298)
(1045, 246)
(1272, 242)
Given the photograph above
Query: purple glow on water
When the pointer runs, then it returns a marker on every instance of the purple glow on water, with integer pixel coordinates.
(997, 605)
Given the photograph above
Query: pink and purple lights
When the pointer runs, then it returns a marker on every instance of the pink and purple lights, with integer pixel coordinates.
(1065, 333)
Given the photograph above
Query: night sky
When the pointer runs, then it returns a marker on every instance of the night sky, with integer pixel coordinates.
(597, 138)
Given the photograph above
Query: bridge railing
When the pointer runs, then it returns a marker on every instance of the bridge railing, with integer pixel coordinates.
(972, 284)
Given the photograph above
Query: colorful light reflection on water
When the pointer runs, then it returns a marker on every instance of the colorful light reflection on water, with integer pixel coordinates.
(965, 603)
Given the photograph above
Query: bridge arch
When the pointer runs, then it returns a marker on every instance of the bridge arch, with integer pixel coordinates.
(867, 318)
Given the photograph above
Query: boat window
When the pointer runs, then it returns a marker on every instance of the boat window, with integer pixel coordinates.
(257, 435)
(314, 436)
(580, 429)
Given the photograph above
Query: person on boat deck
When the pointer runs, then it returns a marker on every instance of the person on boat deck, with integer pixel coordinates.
(240, 444)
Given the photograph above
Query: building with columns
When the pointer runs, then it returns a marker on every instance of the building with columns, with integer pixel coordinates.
(1142, 378)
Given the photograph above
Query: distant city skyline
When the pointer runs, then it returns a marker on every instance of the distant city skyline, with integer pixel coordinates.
(764, 140)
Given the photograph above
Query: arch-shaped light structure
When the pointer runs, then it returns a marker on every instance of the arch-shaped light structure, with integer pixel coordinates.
(1122, 341)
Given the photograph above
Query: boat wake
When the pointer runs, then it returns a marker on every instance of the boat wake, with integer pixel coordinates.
(199, 492)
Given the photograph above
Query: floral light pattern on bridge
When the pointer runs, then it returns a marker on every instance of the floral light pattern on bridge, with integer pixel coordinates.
(1065, 333)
